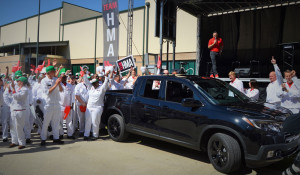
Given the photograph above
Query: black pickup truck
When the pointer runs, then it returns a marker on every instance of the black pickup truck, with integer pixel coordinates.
(203, 114)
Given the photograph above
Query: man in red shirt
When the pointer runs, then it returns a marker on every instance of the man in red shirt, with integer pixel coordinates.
(215, 44)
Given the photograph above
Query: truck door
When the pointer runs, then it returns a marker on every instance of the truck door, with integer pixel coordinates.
(177, 122)
(145, 107)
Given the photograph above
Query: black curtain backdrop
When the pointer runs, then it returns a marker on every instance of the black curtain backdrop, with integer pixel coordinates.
(252, 35)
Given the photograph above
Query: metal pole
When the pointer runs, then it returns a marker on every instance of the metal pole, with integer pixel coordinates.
(167, 67)
(198, 56)
(38, 36)
(143, 59)
(161, 28)
(95, 66)
(174, 45)
(147, 29)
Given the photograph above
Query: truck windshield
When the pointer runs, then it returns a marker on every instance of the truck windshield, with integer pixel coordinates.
(220, 92)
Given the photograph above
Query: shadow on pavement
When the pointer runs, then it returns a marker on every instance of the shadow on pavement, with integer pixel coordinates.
(274, 169)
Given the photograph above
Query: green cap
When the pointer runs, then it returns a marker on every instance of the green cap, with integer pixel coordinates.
(63, 70)
(23, 79)
(49, 68)
(18, 73)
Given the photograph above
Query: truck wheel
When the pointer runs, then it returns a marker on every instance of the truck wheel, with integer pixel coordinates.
(116, 128)
(224, 153)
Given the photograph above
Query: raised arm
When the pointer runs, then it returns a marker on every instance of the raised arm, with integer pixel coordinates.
(277, 72)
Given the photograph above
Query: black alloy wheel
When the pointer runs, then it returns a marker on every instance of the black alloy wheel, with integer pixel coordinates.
(224, 153)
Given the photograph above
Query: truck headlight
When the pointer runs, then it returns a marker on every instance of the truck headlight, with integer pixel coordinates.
(265, 125)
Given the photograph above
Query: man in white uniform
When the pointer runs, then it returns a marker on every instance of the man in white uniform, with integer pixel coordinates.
(274, 86)
(290, 94)
(235, 82)
(94, 106)
(51, 87)
(81, 96)
(66, 102)
(117, 83)
(19, 112)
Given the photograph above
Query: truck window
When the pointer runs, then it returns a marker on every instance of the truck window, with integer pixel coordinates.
(177, 91)
(151, 89)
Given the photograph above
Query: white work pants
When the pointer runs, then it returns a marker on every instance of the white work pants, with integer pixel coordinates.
(5, 113)
(92, 120)
(28, 124)
(52, 114)
(81, 118)
(17, 127)
(69, 124)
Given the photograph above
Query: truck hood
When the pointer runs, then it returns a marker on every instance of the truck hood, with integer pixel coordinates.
(257, 111)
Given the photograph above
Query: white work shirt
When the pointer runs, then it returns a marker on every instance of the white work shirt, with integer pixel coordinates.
(117, 86)
(96, 96)
(66, 95)
(54, 97)
(272, 90)
(7, 97)
(290, 99)
(238, 84)
(253, 94)
(82, 91)
(129, 84)
(1, 95)
(20, 99)
(274, 87)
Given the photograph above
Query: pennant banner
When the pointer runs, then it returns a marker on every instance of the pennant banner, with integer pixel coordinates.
(110, 13)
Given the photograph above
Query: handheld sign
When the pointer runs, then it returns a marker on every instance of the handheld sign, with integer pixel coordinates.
(126, 63)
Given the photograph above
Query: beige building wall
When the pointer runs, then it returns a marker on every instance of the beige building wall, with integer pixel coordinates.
(81, 37)
(13, 33)
(32, 25)
(49, 26)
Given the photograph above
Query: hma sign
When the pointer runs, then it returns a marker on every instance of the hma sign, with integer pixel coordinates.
(110, 13)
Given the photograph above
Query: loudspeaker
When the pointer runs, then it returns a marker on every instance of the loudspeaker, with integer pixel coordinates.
(169, 19)
(242, 72)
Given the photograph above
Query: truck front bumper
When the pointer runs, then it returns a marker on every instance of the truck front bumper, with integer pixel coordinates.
(269, 154)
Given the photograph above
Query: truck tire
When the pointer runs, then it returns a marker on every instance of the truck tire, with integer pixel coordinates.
(116, 128)
(224, 153)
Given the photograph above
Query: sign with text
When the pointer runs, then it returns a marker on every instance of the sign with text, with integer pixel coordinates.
(110, 13)
(126, 63)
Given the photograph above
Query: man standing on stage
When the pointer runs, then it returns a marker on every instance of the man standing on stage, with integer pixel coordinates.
(215, 44)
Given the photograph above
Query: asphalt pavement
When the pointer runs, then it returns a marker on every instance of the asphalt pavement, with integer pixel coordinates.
(137, 156)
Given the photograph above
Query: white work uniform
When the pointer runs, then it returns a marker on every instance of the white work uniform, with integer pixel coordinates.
(19, 112)
(238, 84)
(5, 112)
(66, 100)
(129, 84)
(290, 99)
(82, 91)
(52, 108)
(253, 94)
(117, 86)
(94, 107)
(273, 88)
(30, 118)
(74, 110)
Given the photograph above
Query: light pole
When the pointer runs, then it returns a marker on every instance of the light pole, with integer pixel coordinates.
(38, 35)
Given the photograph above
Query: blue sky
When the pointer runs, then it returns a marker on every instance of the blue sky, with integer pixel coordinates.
(13, 10)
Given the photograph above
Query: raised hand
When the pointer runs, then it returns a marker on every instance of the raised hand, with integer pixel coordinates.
(54, 62)
(273, 61)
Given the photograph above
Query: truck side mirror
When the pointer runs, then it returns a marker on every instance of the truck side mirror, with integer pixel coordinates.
(190, 102)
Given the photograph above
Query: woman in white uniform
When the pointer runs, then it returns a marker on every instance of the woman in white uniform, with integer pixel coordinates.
(19, 112)
(94, 106)
(253, 91)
